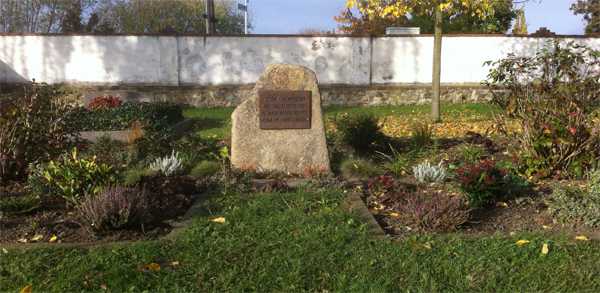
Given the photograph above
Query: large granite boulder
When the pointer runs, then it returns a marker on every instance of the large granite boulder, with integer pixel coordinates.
(287, 150)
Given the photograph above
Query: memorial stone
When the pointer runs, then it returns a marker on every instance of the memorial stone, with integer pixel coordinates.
(281, 127)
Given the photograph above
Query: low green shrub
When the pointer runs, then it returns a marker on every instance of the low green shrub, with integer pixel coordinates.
(122, 117)
(112, 152)
(578, 204)
(358, 131)
(75, 177)
(205, 169)
(158, 139)
(360, 168)
(114, 208)
(134, 175)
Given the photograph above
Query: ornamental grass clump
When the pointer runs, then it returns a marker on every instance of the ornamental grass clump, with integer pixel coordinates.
(114, 208)
(170, 165)
(480, 181)
(429, 209)
(425, 172)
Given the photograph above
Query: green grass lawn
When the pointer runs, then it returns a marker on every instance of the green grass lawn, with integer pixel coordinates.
(456, 119)
(307, 241)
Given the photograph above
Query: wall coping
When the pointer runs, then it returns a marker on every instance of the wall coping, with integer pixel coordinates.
(299, 36)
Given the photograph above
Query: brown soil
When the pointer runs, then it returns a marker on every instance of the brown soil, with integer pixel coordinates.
(52, 218)
(523, 212)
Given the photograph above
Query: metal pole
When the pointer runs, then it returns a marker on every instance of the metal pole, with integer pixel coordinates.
(246, 17)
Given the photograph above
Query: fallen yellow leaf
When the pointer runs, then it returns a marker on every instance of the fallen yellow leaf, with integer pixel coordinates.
(511, 233)
(103, 287)
(154, 266)
(37, 237)
(414, 245)
(175, 263)
(545, 249)
(53, 239)
(27, 289)
(393, 214)
(22, 240)
(522, 242)
(219, 220)
(581, 238)
(546, 227)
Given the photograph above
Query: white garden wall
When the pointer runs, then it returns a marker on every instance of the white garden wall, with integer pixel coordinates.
(163, 60)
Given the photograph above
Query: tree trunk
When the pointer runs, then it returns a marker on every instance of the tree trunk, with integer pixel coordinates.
(437, 60)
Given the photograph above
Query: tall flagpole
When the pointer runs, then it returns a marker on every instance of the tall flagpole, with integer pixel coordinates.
(246, 17)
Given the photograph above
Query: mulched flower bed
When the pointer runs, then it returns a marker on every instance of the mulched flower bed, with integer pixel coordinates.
(53, 219)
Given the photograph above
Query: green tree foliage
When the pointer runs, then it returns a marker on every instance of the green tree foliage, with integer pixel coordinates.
(121, 16)
(184, 16)
(498, 19)
(591, 14)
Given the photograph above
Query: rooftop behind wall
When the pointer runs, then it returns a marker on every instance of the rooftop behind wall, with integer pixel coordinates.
(84, 60)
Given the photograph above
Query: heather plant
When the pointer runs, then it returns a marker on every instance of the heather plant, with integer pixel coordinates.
(428, 209)
(554, 97)
(421, 135)
(33, 129)
(170, 165)
(358, 131)
(75, 177)
(425, 172)
(577, 204)
(114, 207)
(479, 182)
(104, 103)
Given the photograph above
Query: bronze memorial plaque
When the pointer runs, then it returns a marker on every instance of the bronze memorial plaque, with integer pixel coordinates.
(284, 109)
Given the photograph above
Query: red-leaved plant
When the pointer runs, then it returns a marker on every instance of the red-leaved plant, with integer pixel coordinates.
(479, 181)
(104, 103)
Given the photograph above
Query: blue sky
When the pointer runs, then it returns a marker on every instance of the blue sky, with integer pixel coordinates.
(288, 16)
